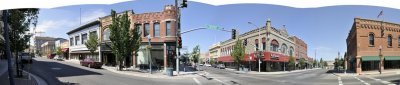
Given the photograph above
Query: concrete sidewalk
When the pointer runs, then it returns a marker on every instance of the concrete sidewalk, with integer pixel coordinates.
(277, 72)
(155, 74)
(376, 72)
(27, 79)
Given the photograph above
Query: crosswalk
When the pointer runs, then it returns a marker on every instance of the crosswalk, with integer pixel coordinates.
(365, 80)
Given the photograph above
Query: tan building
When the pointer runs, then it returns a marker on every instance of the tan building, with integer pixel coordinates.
(371, 41)
(214, 52)
(276, 46)
(160, 26)
(47, 48)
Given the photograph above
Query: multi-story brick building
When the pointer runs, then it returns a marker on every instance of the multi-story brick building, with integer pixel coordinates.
(301, 49)
(276, 45)
(160, 26)
(371, 41)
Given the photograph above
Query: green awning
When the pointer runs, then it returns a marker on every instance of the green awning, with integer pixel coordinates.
(392, 57)
(370, 58)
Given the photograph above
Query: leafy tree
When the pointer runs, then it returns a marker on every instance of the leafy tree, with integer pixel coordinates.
(302, 63)
(58, 50)
(92, 43)
(238, 53)
(321, 62)
(292, 63)
(124, 42)
(196, 54)
(19, 21)
(315, 63)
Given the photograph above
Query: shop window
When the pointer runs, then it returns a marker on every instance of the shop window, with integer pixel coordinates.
(371, 39)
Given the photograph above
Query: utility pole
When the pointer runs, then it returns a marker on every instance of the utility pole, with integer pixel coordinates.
(7, 45)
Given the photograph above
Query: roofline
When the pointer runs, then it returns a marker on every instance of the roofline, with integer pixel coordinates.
(84, 26)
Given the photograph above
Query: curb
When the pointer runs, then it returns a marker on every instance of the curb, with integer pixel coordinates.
(38, 80)
(148, 75)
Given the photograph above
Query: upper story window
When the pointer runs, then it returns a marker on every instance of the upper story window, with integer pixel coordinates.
(371, 39)
(274, 46)
(71, 41)
(106, 34)
(398, 41)
(139, 26)
(93, 33)
(84, 38)
(389, 40)
(146, 29)
(256, 43)
(168, 28)
(263, 43)
(291, 51)
(77, 40)
(284, 48)
(156, 28)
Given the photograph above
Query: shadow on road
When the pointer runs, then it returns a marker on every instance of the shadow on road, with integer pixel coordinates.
(50, 71)
(338, 71)
(397, 82)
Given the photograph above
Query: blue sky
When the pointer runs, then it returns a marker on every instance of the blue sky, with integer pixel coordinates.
(324, 28)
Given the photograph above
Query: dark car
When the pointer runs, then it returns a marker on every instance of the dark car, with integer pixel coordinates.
(25, 58)
(51, 56)
(214, 65)
(91, 63)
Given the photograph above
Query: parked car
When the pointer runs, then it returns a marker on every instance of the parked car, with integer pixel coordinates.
(91, 63)
(221, 66)
(208, 65)
(25, 58)
(214, 65)
(59, 58)
(51, 56)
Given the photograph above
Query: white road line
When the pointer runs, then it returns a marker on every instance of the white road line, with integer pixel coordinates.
(380, 80)
(197, 81)
(340, 81)
(361, 80)
(221, 81)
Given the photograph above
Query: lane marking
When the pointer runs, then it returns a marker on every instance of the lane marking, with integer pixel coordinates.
(197, 81)
(380, 80)
(340, 81)
(221, 81)
(361, 80)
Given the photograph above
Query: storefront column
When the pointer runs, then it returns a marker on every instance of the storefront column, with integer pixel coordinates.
(358, 64)
(165, 57)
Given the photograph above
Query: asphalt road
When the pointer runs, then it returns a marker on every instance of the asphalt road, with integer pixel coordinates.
(64, 73)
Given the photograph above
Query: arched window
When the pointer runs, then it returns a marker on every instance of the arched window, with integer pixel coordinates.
(106, 34)
(274, 46)
(283, 48)
(371, 39)
(398, 42)
(389, 40)
(263, 43)
(291, 51)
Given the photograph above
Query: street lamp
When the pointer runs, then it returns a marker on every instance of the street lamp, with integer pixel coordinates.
(259, 39)
(380, 61)
(149, 54)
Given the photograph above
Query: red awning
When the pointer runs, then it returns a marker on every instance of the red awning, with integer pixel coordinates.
(65, 50)
(275, 57)
(225, 59)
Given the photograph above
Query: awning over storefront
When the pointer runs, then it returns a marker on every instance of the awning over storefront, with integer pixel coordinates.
(392, 57)
(65, 50)
(275, 57)
(225, 59)
(370, 58)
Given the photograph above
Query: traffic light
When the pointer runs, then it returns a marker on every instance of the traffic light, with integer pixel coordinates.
(233, 33)
(184, 4)
(179, 42)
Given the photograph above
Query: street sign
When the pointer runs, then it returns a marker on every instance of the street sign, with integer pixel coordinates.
(213, 27)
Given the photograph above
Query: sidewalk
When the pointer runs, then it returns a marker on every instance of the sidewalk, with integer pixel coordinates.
(386, 71)
(155, 74)
(278, 72)
(27, 79)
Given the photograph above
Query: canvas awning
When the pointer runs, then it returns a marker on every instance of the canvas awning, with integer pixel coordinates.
(370, 58)
(392, 57)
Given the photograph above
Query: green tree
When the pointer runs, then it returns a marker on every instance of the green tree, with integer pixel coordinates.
(92, 43)
(196, 54)
(58, 50)
(124, 42)
(19, 21)
(321, 62)
(292, 63)
(238, 53)
(302, 63)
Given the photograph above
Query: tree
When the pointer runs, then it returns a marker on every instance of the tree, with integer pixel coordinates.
(196, 54)
(58, 50)
(92, 43)
(292, 63)
(321, 62)
(20, 20)
(124, 42)
(238, 53)
(302, 63)
(315, 63)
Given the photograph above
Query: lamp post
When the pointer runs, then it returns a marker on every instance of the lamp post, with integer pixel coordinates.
(149, 53)
(380, 61)
(257, 48)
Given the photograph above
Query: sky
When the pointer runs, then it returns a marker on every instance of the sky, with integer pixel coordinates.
(324, 29)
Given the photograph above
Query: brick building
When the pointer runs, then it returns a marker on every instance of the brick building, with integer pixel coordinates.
(160, 26)
(364, 42)
(276, 45)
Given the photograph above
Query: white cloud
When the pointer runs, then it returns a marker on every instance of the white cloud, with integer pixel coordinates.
(47, 25)
(92, 15)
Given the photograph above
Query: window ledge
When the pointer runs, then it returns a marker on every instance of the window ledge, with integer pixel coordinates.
(371, 46)
(389, 47)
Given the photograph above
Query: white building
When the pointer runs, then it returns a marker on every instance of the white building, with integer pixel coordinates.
(78, 38)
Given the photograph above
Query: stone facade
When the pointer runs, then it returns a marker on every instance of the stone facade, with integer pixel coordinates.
(364, 41)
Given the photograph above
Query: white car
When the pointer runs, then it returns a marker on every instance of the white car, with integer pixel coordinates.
(58, 58)
(208, 65)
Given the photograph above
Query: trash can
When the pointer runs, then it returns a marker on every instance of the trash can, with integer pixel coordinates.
(169, 71)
